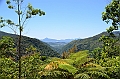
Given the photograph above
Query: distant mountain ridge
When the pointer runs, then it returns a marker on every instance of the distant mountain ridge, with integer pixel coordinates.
(55, 40)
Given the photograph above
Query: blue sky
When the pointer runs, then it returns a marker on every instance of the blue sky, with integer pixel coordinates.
(64, 19)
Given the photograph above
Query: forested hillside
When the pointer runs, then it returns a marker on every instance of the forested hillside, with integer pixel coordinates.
(87, 43)
(44, 48)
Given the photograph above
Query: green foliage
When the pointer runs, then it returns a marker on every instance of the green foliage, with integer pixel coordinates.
(86, 67)
(8, 2)
(7, 47)
(32, 11)
(96, 53)
(58, 70)
(43, 58)
(98, 75)
(109, 64)
(23, 16)
(8, 69)
(94, 71)
(82, 76)
(69, 61)
(94, 67)
(85, 44)
(80, 58)
(31, 66)
(68, 68)
(72, 50)
(112, 66)
(78, 55)
(31, 50)
(110, 45)
(6, 42)
(77, 65)
(40, 46)
(55, 75)
(112, 13)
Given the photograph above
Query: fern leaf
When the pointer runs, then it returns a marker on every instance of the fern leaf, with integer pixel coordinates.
(68, 68)
(97, 74)
(82, 76)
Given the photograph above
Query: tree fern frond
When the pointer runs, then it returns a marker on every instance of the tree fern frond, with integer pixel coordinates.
(69, 61)
(82, 76)
(97, 74)
(55, 75)
(68, 68)
(94, 67)
(79, 54)
(54, 65)
(80, 58)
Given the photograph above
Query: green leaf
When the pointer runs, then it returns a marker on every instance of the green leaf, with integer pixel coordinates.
(8, 2)
(82, 76)
(10, 7)
(98, 74)
(68, 68)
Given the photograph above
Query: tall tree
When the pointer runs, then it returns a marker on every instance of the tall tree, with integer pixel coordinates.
(23, 15)
(112, 15)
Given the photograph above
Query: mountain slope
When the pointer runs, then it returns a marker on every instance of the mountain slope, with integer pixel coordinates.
(27, 41)
(87, 43)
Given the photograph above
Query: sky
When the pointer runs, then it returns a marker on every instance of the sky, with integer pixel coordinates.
(64, 19)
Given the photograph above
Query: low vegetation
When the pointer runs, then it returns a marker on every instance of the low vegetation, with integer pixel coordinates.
(77, 66)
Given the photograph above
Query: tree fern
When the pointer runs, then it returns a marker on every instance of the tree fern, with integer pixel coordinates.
(79, 54)
(80, 58)
(94, 71)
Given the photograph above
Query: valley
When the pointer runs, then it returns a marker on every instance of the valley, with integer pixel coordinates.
(55, 44)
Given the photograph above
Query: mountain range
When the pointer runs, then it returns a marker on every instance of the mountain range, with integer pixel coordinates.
(55, 40)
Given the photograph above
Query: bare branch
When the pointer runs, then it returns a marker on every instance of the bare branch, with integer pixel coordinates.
(14, 30)
(23, 13)
(26, 20)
